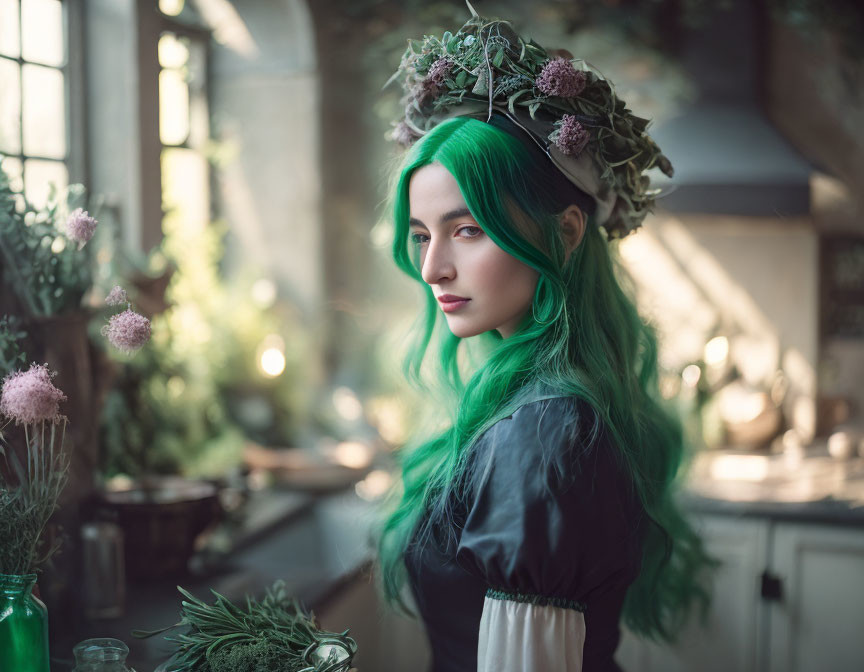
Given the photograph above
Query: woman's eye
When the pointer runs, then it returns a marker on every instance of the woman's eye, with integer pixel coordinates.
(422, 238)
(477, 231)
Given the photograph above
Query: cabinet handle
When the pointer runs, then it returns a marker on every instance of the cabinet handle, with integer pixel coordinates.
(772, 587)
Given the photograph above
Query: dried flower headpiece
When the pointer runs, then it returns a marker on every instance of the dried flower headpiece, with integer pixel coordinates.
(566, 106)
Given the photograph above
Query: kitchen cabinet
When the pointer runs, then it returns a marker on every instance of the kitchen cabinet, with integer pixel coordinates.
(789, 597)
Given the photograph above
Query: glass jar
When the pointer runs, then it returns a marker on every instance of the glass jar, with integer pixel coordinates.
(23, 625)
(101, 654)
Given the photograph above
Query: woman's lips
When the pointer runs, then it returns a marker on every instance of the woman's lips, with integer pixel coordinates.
(450, 306)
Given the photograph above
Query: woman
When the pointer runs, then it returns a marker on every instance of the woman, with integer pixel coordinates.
(543, 513)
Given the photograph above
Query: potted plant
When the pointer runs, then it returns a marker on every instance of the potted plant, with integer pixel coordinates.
(31, 480)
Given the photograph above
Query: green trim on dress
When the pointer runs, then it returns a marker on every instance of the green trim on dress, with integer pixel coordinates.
(531, 598)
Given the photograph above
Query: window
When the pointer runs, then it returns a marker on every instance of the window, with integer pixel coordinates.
(184, 127)
(33, 105)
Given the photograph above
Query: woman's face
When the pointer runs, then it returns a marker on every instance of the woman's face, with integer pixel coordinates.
(458, 258)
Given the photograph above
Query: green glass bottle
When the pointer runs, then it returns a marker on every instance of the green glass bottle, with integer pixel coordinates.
(23, 625)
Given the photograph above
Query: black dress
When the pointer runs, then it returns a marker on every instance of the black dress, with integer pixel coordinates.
(548, 526)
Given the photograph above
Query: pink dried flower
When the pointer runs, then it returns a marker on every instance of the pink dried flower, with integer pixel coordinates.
(29, 397)
(424, 91)
(559, 78)
(127, 331)
(570, 136)
(439, 71)
(116, 296)
(80, 227)
(403, 134)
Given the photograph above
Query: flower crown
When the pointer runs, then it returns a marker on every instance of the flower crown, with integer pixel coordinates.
(572, 113)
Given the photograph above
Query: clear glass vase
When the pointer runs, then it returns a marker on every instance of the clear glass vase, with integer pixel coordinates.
(23, 625)
(103, 654)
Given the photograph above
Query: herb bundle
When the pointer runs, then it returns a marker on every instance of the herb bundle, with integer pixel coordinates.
(270, 635)
(569, 104)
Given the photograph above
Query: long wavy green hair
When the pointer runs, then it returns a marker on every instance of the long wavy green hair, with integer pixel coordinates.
(583, 337)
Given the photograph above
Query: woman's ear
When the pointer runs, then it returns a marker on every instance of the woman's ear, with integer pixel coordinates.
(573, 223)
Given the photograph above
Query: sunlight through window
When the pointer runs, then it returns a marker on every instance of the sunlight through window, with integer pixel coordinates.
(33, 124)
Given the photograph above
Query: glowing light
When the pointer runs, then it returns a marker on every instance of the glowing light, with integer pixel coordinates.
(171, 7)
(691, 375)
(172, 52)
(346, 403)
(374, 485)
(739, 404)
(740, 468)
(271, 356)
(272, 362)
(352, 454)
(716, 350)
(58, 245)
(264, 292)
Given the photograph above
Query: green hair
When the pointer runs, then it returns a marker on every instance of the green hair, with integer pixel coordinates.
(583, 337)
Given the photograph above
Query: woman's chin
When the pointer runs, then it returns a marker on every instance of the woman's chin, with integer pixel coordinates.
(464, 329)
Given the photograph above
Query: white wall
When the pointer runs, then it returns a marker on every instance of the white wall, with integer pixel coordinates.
(265, 109)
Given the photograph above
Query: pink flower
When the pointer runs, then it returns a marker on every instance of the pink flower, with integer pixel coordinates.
(127, 331)
(439, 71)
(116, 296)
(29, 397)
(559, 78)
(403, 134)
(80, 227)
(570, 136)
(424, 91)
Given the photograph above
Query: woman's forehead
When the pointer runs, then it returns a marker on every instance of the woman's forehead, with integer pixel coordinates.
(434, 196)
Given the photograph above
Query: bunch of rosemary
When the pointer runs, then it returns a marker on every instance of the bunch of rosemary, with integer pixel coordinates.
(271, 635)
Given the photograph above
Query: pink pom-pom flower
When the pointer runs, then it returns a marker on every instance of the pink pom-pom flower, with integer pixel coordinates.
(559, 78)
(439, 71)
(116, 296)
(29, 397)
(80, 227)
(570, 136)
(127, 331)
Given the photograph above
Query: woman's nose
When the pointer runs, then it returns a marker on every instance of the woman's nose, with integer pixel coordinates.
(436, 264)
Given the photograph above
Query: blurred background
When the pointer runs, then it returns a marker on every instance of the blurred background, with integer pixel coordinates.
(234, 154)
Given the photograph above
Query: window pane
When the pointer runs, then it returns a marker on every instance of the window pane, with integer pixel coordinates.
(171, 7)
(173, 107)
(44, 112)
(10, 107)
(14, 171)
(42, 31)
(185, 188)
(9, 43)
(173, 53)
(37, 177)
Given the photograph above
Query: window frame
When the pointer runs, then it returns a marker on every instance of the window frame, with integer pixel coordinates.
(72, 71)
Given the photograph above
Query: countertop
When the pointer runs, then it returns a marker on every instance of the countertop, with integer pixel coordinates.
(316, 543)
(804, 486)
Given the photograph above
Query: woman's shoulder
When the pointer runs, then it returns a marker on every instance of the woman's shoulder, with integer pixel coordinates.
(548, 437)
(556, 421)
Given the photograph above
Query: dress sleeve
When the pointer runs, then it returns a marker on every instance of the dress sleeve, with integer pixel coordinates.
(546, 528)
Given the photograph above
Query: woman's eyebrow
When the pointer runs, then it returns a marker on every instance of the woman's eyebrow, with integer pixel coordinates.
(446, 217)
